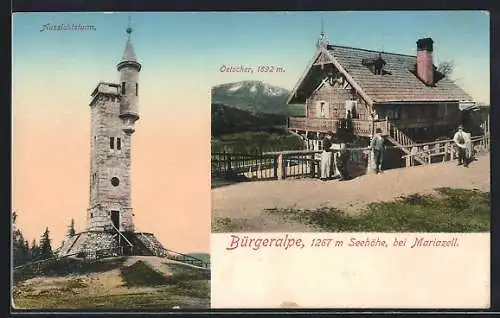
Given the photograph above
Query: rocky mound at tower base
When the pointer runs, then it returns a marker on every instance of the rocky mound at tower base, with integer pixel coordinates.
(91, 244)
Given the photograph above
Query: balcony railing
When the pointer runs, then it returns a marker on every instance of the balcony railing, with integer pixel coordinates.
(359, 127)
(313, 124)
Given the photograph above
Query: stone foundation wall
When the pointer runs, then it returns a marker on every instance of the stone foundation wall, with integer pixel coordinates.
(67, 244)
(152, 243)
(92, 241)
(88, 241)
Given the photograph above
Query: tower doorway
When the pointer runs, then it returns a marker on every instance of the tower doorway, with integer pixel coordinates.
(115, 218)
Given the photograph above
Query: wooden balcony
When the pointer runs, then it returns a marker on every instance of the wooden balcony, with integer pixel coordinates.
(312, 124)
(359, 127)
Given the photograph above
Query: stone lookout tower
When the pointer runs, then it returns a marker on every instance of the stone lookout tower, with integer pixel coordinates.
(114, 111)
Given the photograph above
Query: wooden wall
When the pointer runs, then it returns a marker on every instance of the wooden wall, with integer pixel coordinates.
(420, 115)
(336, 98)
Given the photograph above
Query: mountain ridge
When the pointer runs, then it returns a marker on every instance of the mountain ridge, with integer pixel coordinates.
(253, 96)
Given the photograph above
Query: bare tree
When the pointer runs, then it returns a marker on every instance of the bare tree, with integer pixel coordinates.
(446, 68)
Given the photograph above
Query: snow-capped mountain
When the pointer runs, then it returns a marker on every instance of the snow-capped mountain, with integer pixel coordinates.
(254, 96)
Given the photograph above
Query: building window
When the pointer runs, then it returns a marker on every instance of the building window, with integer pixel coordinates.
(123, 88)
(375, 65)
(136, 89)
(91, 214)
(115, 181)
(112, 142)
(118, 143)
(322, 109)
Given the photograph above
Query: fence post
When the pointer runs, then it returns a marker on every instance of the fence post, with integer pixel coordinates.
(445, 151)
(275, 167)
(228, 164)
(280, 166)
(370, 164)
(312, 165)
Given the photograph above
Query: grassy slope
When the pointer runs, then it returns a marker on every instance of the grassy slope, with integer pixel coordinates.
(454, 210)
(226, 119)
(256, 142)
(235, 130)
(141, 287)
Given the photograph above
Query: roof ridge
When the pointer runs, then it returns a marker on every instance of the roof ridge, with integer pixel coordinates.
(374, 51)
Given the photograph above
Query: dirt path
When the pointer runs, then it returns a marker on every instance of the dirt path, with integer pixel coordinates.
(156, 263)
(248, 200)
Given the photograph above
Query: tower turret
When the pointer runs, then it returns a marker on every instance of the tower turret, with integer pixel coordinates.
(129, 69)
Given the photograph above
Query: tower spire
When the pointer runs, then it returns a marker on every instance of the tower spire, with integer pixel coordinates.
(129, 53)
(323, 40)
(322, 27)
(129, 27)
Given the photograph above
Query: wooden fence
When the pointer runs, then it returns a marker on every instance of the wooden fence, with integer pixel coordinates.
(94, 255)
(444, 150)
(257, 165)
(280, 165)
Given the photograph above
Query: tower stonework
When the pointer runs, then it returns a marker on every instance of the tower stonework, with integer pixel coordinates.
(110, 203)
(114, 110)
(113, 113)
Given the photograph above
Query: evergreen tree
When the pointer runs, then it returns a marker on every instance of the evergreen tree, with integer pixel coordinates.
(45, 248)
(34, 251)
(20, 250)
(71, 230)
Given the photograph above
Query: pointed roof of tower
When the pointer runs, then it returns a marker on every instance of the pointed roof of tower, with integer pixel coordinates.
(129, 53)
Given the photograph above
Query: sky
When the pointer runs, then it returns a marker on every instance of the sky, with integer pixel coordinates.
(54, 73)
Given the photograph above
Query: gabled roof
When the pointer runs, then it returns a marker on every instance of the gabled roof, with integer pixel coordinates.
(399, 85)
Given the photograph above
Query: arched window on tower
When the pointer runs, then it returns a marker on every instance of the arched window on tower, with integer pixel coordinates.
(118, 143)
(112, 142)
(123, 88)
(136, 89)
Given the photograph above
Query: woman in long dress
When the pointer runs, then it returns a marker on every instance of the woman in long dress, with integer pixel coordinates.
(326, 158)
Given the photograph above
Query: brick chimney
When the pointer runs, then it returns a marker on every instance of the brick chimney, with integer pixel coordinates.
(425, 68)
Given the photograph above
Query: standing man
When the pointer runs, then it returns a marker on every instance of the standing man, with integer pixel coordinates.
(377, 147)
(459, 139)
(326, 157)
